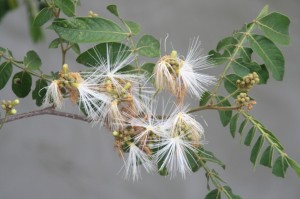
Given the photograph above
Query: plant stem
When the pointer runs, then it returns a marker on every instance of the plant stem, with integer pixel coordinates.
(45, 111)
(18, 65)
(231, 59)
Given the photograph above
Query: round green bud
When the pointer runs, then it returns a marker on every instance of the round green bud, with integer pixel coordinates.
(3, 102)
(16, 102)
(3, 106)
(115, 133)
(9, 102)
(13, 111)
(127, 86)
(253, 82)
(251, 76)
(173, 54)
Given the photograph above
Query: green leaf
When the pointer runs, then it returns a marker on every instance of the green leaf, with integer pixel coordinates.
(75, 47)
(232, 126)
(134, 27)
(205, 98)
(89, 29)
(113, 9)
(225, 116)
(273, 138)
(250, 136)
(294, 165)
(66, 6)
(267, 157)
(263, 12)
(214, 194)
(32, 61)
(240, 67)
(39, 92)
(276, 27)
(36, 32)
(229, 191)
(192, 161)
(21, 84)
(280, 166)
(216, 58)
(208, 156)
(256, 149)
(148, 68)
(230, 84)
(226, 42)
(263, 74)
(243, 124)
(148, 46)
(269, 53)
(5, 73)
(55, 43)
(245, 54)
(117, 52)
(43, 16)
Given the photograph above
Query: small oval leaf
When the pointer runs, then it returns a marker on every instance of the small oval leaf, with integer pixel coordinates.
(5, 73)
(148, 46)
(21, 84)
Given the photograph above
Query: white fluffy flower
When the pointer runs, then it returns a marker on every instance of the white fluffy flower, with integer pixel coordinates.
(182, 74)
(53, 95)
(91, 99)
(178, 146)
(189, 75)
(136, 158)
(173, 154)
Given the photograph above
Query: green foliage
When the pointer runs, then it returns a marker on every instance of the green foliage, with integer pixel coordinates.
(21, 84)
(7, 6)
(148, 46)
(5, 73)
(39, 92)
(148, 68)
(134, 27)
(43, 16)
(275, 26)
(91, 57)
(270, 54)
(225, 116)
(88, 30)
(214, 194)
(66, 6)
(205, 98)
(32, 61)
(232, 126)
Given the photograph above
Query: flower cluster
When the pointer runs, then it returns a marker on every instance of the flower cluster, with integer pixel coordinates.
(124, 103)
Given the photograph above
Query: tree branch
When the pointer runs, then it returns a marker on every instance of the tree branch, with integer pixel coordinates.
(45, 111)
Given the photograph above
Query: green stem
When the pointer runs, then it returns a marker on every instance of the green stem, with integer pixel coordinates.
(262, 131)
(231, 59)
(214, 179)
(18, 65)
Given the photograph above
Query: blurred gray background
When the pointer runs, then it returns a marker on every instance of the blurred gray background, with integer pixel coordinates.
(48, 157)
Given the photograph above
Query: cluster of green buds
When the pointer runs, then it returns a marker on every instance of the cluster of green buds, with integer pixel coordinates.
(118, 93)
(9, 105)
(242, 99)
(67, 80)
(248, 82)
(173, 63)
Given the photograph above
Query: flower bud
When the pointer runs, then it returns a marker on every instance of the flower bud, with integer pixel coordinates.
(65, 68)
(13, 111)
(115, 133)
(16, 102)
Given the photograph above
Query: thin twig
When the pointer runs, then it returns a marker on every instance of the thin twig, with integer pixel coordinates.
(45, 111)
